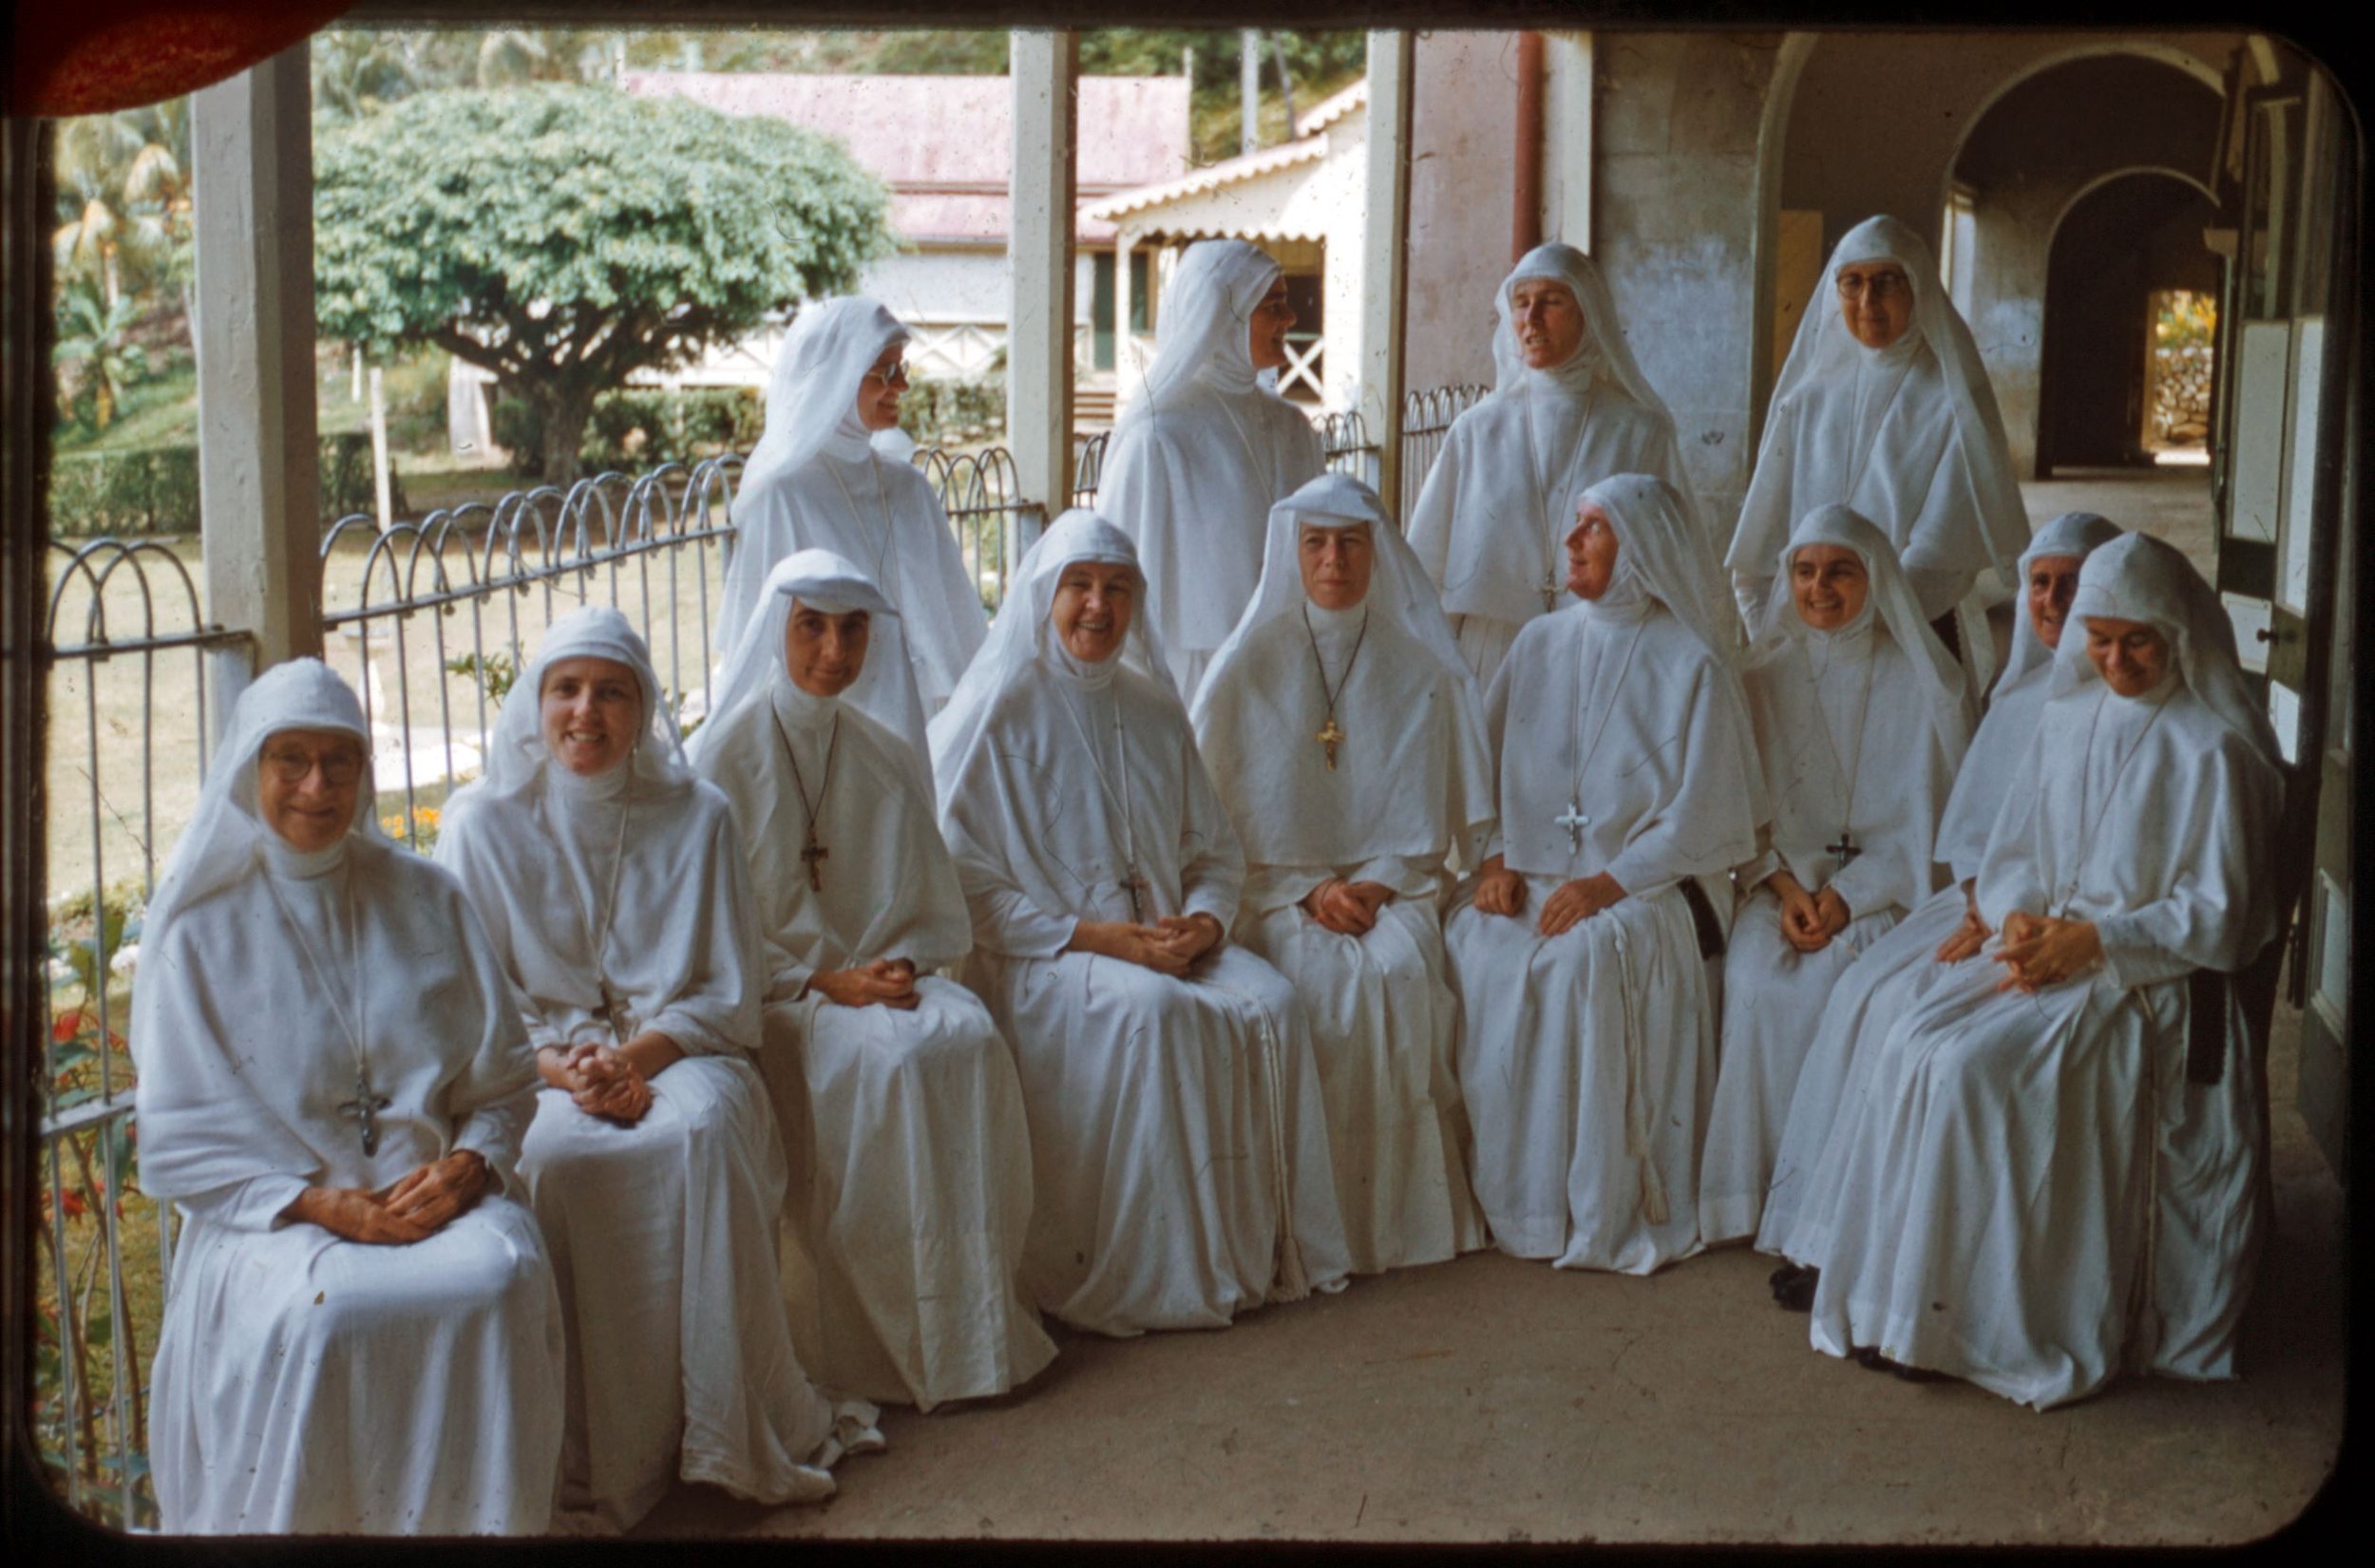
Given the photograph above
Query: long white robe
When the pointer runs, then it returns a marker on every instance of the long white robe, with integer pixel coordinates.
(2028, 1192)
(662, 1233)
(1587, 1059)
(1179, 1145)
(910, 1195)
(306, 1384)
(1810, 735)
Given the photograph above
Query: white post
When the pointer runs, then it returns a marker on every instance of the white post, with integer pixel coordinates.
(1384, 273)
(1039, 269)
(259, 454)
(1248, 89)
(1125, 345)
(354, 392)
(379, 452)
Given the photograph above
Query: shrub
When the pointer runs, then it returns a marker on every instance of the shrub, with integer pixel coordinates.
(154, 490)
(954, 412)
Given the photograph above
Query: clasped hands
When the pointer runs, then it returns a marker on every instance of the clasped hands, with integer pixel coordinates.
(885, 982)
(1501, 891)
(1169, 946)
(1809, 920)
(1348, 909)
(608, 1081)
(413, 1208)
(2041, 950)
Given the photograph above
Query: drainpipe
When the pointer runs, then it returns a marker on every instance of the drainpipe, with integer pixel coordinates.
(1526, 204)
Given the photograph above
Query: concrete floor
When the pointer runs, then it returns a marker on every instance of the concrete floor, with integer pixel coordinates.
(1493, 1400)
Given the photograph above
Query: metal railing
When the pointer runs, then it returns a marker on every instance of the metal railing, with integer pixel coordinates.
(994, 520)
(1088, 466)
(1426, 417)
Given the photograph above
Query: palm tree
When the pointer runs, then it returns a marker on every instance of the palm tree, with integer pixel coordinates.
(124, 195)
(95, 331)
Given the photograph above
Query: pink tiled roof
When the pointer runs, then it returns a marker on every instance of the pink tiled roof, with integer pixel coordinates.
(943, 143)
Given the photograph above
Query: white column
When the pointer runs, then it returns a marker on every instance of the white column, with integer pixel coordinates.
(1384, 273)
(258, 459)
(1039, 269)
(1569, 65)
(1125, 345)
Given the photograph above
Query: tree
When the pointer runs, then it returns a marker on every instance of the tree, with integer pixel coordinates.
(563, 236)
(95, 334)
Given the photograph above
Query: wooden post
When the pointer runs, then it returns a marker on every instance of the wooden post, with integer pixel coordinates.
(1040, 271)
(1125, 345)
(1384, 259)
(379, 453)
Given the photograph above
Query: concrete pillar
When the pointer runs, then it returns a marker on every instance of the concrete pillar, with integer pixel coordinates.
(1125, 345)
(1384, 266)
(1570, 72)
(1039, 268)
(258, 458)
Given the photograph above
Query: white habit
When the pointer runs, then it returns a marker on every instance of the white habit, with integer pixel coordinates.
(2035, 1192)
(1882, 979)
(910, 1158)
(1587, 1059)
(1859, 731)
(1179, 1140)
(1198, 459)
(1501, 496)
(817, 480)
(1412, 780)
(304, 1383)
(629, 885)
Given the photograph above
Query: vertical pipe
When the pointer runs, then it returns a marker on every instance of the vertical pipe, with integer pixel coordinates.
(1525, 198)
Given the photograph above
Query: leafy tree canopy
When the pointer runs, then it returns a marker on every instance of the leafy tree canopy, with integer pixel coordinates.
(563, 236)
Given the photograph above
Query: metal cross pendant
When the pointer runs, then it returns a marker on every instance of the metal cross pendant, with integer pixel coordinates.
(1573, 820)
(1135, 886)
(811, 856)
(1550, 586)
(1331, 735)
(364, 1111)
(1846, 849)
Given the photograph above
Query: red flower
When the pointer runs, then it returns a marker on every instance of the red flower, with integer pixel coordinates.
(67, 1025)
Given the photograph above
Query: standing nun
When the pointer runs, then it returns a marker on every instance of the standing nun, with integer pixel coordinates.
(1627, 770)
(1179, 1142)
(1570, 407)
(611, 881)
(821, 479)
(1202, 455)
(1860, 724)
(1343, 733)
(897, 1100)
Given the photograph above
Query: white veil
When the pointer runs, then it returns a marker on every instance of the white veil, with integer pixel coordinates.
(516, 755)
(1206, 327)
(812, 396)
(1604, 353)
(1662, 552)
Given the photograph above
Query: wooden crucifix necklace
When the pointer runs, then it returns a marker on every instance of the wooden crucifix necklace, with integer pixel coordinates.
(363, 1110)
(1575, 819)
(612, 1008)
(812, 853)
(1847, 849)
(1332, 734)
(1132, 883)
(1553, 582)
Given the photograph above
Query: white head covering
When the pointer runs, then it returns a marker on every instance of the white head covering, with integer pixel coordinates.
(1604, 353)
(1207, 328)
(1662, 556)
(2077, 534)
(885, 688)
(1022, 634)
(1889, 600)
(1377, 812)
(516, 755)
(1824, 348)
(227, 835)
(812, 397)
(2137, 577)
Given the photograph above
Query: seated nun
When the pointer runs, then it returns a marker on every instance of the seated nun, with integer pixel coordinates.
(1946, 925)
(1570, 407)
(1204, 450)
(1344, 735)
(1627, 770)
(332, 1086)
(1860, 724)
(820, 479)
(2054, 1171)
(1884, 405)
(612, 881)
(1180, 1169)
(897, 1101)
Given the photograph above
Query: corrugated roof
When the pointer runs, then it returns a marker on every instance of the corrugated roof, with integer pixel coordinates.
(1212, 177)
(1332, 108)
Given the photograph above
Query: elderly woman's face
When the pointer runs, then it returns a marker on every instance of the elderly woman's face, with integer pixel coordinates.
(592, 710)
(1829, 584)
(1591, 551)
(1548, 320)
(305, 782)
(1272, 320)
(1876, 299)
(1094, 601)
(825, 652)
(879, 391)
(2132, 656)
(1336, 565)
(2052, 583)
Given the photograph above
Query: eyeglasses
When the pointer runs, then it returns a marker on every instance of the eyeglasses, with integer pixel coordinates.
(290, 764)
(1879, 284)
(896, 376)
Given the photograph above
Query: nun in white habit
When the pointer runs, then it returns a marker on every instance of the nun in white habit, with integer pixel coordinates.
(1860, 724)
(899, 1110)
(1627, 769)
(1884, 405)
(830, 472)
(1179, 1140)
(2053, 1174)
(611, 881)
(1570, 407)
(332, 1086)
(1888, 974)
(1343, 733)
(1206, 450)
